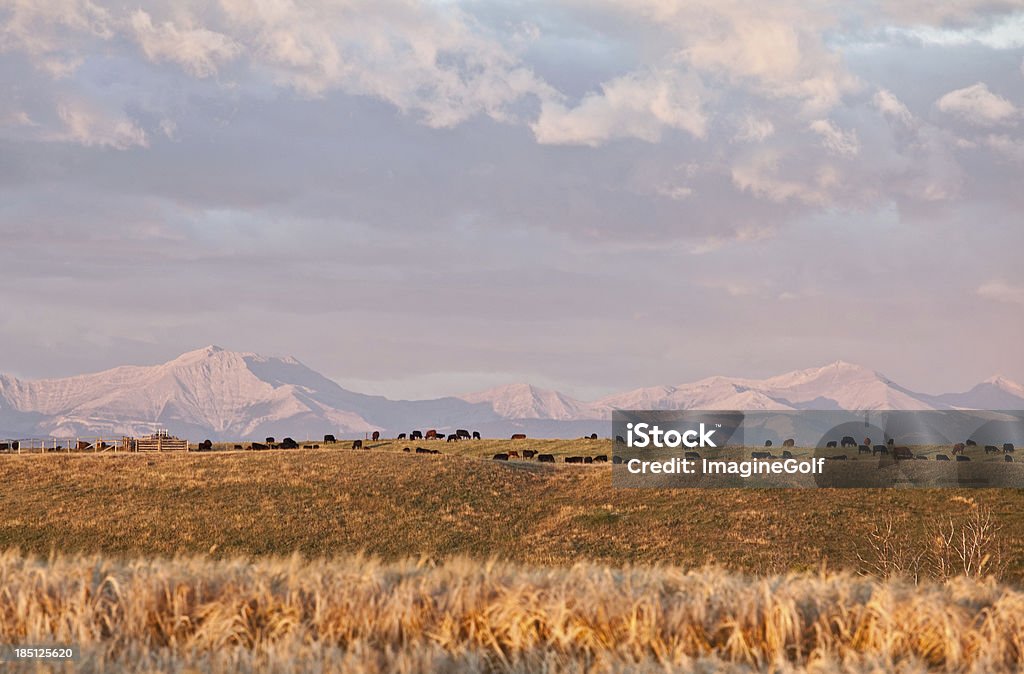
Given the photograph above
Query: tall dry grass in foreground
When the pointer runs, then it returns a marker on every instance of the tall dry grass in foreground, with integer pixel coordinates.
(360, 615)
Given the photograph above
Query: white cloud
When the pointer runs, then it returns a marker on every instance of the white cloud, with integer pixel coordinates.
(638, 105)
(1001, 291)
(977, 105)
(834, 139)
(89, 127)
(754, 129)
(762, 176)
(197, 50)
(1009, 147)
(892, 107)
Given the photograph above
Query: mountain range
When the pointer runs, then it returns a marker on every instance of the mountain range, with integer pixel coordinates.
(227, 395)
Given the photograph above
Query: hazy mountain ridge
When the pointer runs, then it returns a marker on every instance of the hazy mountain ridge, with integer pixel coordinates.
(220, 394)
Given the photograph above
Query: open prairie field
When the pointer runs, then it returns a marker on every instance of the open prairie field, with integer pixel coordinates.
(357, 614)
(395, 505)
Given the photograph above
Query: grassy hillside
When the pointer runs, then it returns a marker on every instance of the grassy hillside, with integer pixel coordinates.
(387, 503)
(359, 615)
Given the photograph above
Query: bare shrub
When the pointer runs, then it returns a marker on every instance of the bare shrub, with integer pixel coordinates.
(889, 551)
(971, 545)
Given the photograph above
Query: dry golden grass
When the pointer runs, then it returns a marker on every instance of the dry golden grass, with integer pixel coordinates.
(359, 614)
(394, 505)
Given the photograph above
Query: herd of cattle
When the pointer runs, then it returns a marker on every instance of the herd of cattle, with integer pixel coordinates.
(890, 449)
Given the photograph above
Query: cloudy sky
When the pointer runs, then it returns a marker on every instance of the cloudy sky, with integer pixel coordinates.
(420, 198)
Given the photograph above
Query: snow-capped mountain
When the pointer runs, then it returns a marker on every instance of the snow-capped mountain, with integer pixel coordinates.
(219, 394)
(523, 401)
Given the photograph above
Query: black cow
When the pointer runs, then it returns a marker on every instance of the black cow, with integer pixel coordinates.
(760, 455)
(476, 435)
(1008, 459)
(767, 443)
(357, 444)
(257, 446)
(991, 449)
(962, 457)
(786, 454)
(601, 458)
(941, 457)
(593, 436)
(546, 458)
(375, 436)
(574, 459)
(205, 446)
(288, 443)
(416, 435)
(616, 460)
(890, 442)
(691, 455)
(789, 442)
(270, 440)
(406, 449)
(529, 453)
(329, 439)
(971, 443)
(831, 444)
(841, 457)
(1007, 448)
(453, 438)
(435, 451)
(422, 450)
(401, 436)
(238, 447)
(864, 449)
(848, 441)
(879, 449)
(500, 457)
(588, 459)
(462, 433)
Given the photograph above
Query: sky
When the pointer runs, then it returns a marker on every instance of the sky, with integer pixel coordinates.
(428, 198)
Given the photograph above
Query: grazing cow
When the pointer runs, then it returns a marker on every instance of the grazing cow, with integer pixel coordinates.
(519, 436)
(593, 436)
(4, 446)
(440, 436)
(513, 454)
(330, 439)
(574, 459)
(848, 441)
(601, 458)
(416, 435)
(866, 449)
(767, 443)
(1008, 459)
(435, 451)
(288, 443)
(959, 448)
(841, 457)
(476, 435)
(357, 444)
(406, 449)
(789, 442)
(257, 446)
(963, 457)
(546, 458)
(588, 459)
(879, 449)
(831, 444)
(1007, 448)
(760, 455)
(270, 440)
(786, 454)
(375, 436)
(971, 443)
(902, 453)
(238, 447)
(205, 446)
(691, 455)
(616, 459)
(453, 438)
(431, 434)
(500, 457)
(462, 433)
(401, 436)
(991, 449)
(529, 453)
(941, 457)
(422, 450)
(920, 457)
